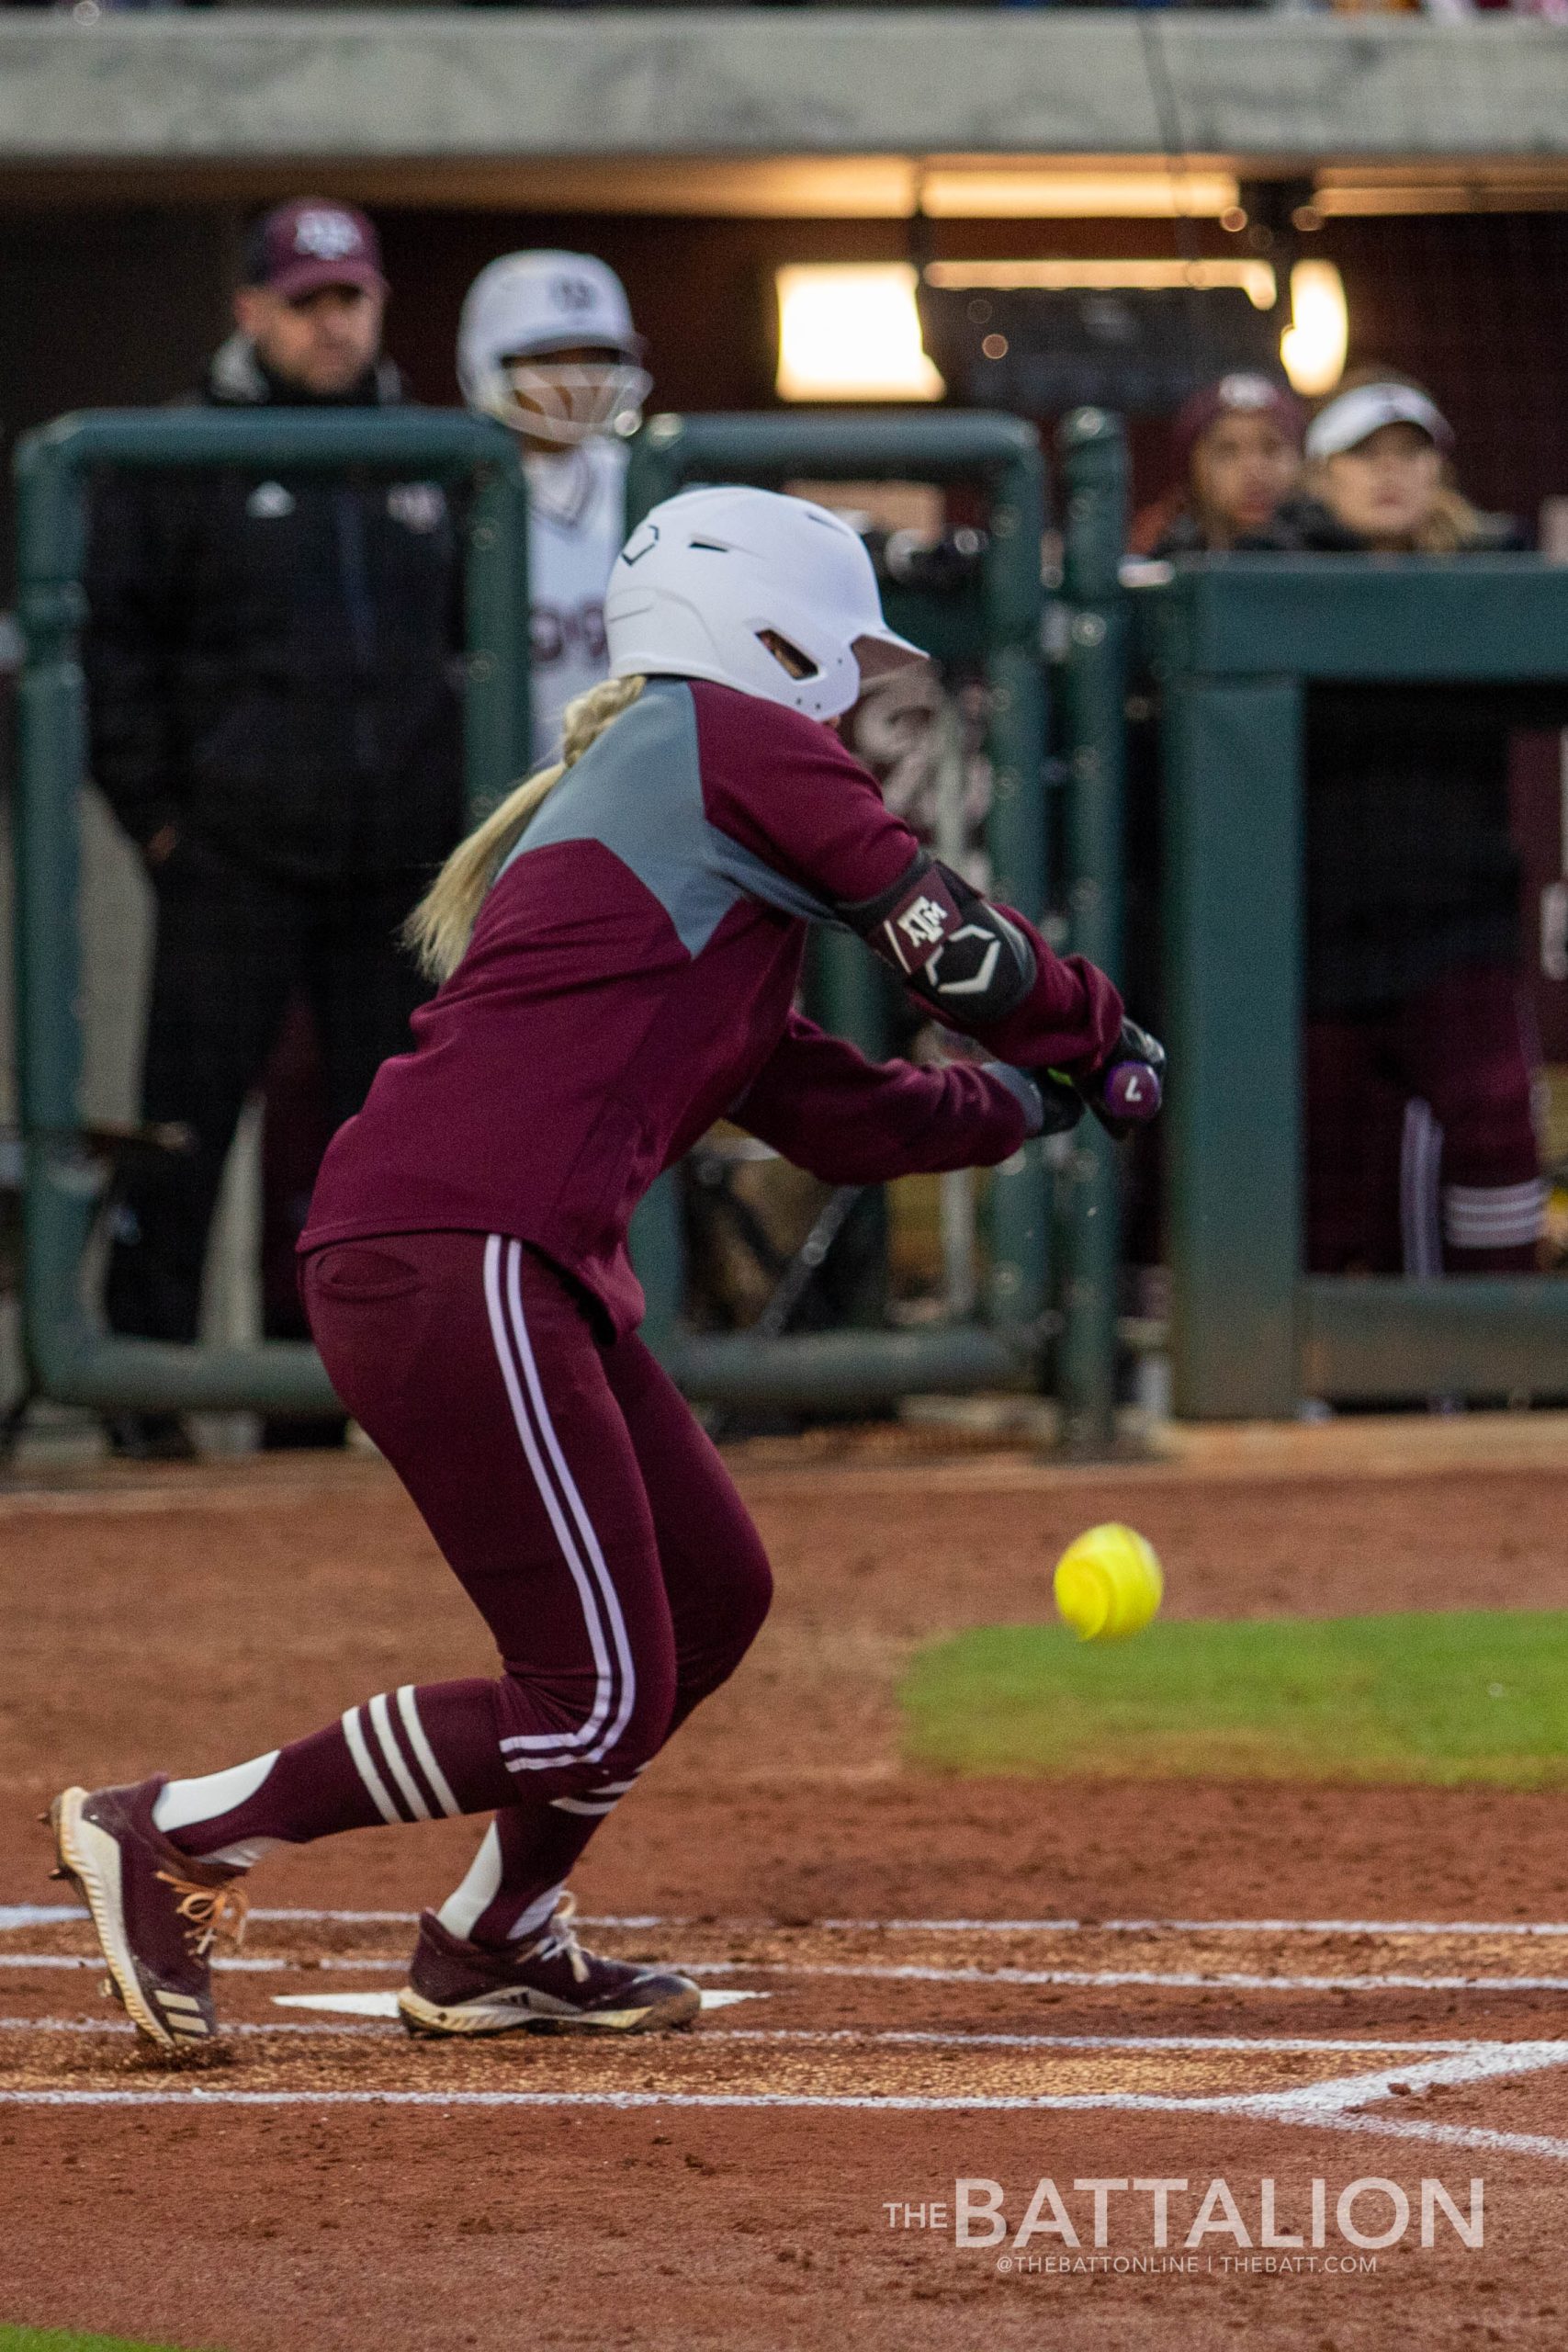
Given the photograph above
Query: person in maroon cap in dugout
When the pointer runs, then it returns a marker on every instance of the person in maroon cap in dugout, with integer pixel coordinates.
(1237, 445)
(275, 721)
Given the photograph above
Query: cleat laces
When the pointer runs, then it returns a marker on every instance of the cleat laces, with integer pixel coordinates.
(209, 1913)
(559, 1940)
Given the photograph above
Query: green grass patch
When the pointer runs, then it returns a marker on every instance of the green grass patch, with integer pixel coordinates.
(1468, 1696)
(52, 2339)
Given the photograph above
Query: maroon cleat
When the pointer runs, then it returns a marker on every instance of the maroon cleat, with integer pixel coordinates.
(550, 1985)
(157, 1911)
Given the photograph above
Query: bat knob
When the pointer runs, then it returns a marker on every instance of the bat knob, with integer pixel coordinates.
(1131, 1092)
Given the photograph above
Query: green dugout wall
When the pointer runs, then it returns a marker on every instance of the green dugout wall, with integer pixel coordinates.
(1235, 642)
(70, 1356)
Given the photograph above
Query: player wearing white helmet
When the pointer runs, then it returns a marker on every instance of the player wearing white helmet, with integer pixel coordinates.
(621, 943)
(547, 345)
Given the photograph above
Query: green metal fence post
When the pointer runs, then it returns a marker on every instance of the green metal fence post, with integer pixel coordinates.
(69, 1355)
(1016, 838)
(498, 712)
(58, 1188)
(1094, 456)
(1232, 796)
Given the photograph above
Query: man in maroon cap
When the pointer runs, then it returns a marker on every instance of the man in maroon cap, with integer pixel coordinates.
(311, 309)
(272, 677)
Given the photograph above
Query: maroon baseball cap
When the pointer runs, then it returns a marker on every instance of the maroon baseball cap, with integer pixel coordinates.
(1241, 394)
(311, 242)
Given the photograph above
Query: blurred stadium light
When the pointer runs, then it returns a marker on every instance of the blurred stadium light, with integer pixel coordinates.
(1313, 346)
(850, 331)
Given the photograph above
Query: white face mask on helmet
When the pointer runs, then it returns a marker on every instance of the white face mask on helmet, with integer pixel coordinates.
(773, 595)
(522, 311)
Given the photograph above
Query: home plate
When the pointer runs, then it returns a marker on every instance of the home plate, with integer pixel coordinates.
(385, 2005)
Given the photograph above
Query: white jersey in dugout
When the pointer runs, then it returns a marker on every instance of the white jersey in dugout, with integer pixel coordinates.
(576, 526)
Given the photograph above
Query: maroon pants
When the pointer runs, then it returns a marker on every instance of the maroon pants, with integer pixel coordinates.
(1421, 1150)
(587, 1517)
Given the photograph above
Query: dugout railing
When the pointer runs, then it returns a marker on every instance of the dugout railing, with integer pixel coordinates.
(70, 1356)
(1092, 651)
(1234, 644)
(1003, 1345)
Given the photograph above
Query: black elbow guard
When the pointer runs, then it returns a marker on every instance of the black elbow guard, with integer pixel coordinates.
(947, 944)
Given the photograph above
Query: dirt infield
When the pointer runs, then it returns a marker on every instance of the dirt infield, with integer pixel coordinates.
(997, 1981)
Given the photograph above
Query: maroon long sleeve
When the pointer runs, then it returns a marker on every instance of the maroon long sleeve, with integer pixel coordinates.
(820, 1102)
(630, 980)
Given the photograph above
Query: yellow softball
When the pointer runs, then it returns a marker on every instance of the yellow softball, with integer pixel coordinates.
(1108, 1583)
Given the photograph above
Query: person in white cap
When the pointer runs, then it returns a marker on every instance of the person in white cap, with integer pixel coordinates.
(1379, 457)
(1422, 1156)
(545, 343)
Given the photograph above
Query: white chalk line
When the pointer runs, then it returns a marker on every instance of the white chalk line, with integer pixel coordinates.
(1179, 1980)
(1335, 2103)
(1315, 1927)
(1241, 2109)
(1476, 2138)
(1270, 2045)
(17, 1915)
(1085, 1979)
(1199, 2044)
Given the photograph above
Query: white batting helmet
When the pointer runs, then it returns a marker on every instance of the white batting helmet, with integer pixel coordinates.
(524, 309)
(775, 595)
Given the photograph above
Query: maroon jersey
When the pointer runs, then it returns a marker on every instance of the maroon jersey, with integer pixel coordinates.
(630, 980)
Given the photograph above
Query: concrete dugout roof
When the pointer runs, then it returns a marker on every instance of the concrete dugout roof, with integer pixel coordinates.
(731, 110)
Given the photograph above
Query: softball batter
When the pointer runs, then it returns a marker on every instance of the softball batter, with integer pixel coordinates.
(620, 945)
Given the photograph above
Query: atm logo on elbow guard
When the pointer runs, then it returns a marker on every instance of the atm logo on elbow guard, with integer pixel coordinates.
(950, 957)
(924, 924)
(926, 916)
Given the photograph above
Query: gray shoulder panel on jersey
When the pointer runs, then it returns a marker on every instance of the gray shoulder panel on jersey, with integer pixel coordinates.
(639, 791)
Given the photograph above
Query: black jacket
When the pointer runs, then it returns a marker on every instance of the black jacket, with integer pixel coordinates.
(272, 664)
(1298, 526)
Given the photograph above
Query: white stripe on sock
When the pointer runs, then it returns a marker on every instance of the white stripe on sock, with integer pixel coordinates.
(606, 1586)
(1494, 1216)
(548, 1749)
(439, 1785)
(367, 1772)
(539, 1913)
(179, 1805)
(584, 1804)
(461, 1913)
(1524, 1196)
(245, 1853)
(382, 1722)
